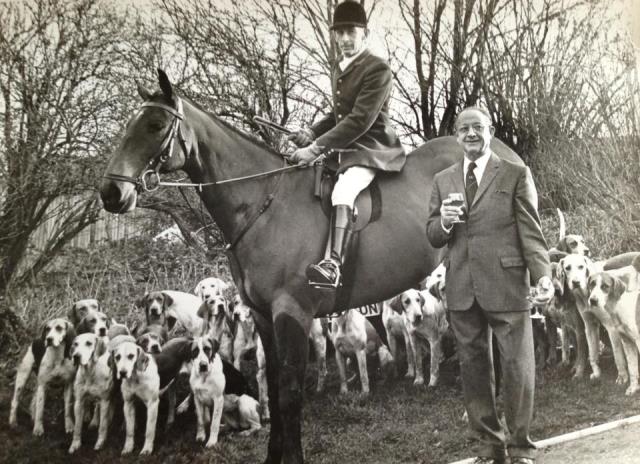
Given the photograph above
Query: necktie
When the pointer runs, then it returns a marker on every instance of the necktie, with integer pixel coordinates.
(471, 184)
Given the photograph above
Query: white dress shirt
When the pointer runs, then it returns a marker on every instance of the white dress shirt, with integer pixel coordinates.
(346, 61)
(481, 165)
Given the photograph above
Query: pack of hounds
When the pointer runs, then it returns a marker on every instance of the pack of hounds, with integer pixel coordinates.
(103, 363)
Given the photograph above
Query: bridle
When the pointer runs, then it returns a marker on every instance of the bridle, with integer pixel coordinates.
(152, 169)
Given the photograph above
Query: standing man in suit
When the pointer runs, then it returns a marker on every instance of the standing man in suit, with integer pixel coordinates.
(356, 135)
(493, 257)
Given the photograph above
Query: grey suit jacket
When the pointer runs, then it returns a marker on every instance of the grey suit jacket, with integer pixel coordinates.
(500, 250)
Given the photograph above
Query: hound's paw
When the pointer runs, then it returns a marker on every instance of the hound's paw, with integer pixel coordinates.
(631, 390)
(433, 382)
(595, 376)
(146, 451)
(99, 445)
(578, 374)
(13, 423)
(211, 444)
(75, 445)
(344, 390)
(68, 426)
(419, 381)
(622, 379)
(200, 437)
(127, 449)
(410, 374)
(38, 431)
(182, 408)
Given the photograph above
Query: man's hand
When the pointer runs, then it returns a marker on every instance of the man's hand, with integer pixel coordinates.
(305, 155)
(449, 213)
(302, 138)
(543, 292)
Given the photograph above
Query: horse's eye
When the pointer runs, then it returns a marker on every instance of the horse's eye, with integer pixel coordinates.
(155, 126)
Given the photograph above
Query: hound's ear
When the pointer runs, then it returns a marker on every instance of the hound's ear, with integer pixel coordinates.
(562, 245)
(434, 290)
(143, 360)
(111, 363)
(134, 329)
(396, 303)
(204, 311)
(171, 322)
(618, 288)
(165, 85)
(215, 346)
(197, 291)
(140, 302)
(422, 300)
(588, 264)
(143, 92)
(166, 301)
(43, 335)
(108, 323)
(69, 335)
(561, 275)
(71, 314)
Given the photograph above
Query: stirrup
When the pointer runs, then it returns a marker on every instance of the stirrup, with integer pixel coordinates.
(325, 274)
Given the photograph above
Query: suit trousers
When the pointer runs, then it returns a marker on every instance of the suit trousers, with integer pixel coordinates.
(472, 329)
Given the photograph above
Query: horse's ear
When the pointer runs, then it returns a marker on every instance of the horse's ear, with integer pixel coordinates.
(165, 85)
(143, 92)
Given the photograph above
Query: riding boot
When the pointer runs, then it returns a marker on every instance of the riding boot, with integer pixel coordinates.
(327, 273)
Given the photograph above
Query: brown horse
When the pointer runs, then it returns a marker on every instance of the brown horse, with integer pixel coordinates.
(277, 227)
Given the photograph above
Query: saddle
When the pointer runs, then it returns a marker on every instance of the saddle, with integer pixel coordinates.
(368, 204)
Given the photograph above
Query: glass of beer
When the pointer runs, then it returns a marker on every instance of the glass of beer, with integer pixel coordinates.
(457, 199)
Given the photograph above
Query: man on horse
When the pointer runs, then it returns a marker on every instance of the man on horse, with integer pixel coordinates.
(357, 135)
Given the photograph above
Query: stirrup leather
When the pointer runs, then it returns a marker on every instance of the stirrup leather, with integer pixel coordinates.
(325, 274)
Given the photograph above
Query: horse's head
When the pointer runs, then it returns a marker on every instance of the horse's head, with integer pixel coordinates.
(153, 143)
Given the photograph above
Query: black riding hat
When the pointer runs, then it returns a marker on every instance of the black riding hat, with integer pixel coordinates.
(349, 13)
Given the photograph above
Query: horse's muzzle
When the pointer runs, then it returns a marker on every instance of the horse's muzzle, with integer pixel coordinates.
(118, 197)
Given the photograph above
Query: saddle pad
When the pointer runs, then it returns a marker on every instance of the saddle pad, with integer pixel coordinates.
(368, 205)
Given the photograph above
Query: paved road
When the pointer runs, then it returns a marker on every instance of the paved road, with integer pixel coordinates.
(617, 446)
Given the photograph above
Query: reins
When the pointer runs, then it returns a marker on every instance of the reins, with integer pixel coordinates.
(149, 179)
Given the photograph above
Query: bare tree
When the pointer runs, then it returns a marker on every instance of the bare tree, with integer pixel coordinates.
(60, 108)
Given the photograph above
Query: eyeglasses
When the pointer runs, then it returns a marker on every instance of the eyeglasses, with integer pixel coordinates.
(476, 128)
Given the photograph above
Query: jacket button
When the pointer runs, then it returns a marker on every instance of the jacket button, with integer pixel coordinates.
(339, 116)
(338, 92)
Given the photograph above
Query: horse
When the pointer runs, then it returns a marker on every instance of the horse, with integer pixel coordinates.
(275, 227)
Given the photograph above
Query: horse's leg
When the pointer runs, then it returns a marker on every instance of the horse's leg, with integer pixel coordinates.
(291, 327)
(265, 329)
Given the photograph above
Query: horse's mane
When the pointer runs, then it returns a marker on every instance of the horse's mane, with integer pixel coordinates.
(249, 137)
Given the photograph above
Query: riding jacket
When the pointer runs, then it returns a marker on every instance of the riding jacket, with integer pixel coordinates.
(359, 127)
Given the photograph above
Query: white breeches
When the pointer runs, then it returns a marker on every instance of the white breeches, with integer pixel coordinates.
(350, 183)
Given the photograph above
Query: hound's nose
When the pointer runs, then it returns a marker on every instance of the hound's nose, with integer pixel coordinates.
(49, 341)
(575, 283)
(587, 252)
(103, 331)
(155, 349)
(203, 367)
(593, 301)
(123, 374)
(76, 359)
(220, 307)
(418, 317)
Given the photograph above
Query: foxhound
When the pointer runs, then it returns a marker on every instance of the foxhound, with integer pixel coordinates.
(116, 328)
(80, 308)
(207, 382)
(94, 379)
(397, 332)
(48, 356)
(318, 336)
(241, 412)
(425, 318)
(139, 374)
(246, 339)
(218, 322)
(94, 321)
(575, 271)
(210, 287)
(608, 293)
(168, 307)
(353, 335)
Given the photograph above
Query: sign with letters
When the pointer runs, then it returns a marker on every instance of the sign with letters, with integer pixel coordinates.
(369, 310)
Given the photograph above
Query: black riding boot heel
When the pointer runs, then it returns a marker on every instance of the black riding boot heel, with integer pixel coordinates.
(327, 273)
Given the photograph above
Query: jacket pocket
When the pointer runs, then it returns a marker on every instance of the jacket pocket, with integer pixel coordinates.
(512, 261)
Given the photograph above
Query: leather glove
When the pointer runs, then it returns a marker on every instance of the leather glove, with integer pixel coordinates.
(302, 138)
(305, 155)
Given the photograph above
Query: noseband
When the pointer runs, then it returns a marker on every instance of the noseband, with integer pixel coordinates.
(152, 169)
